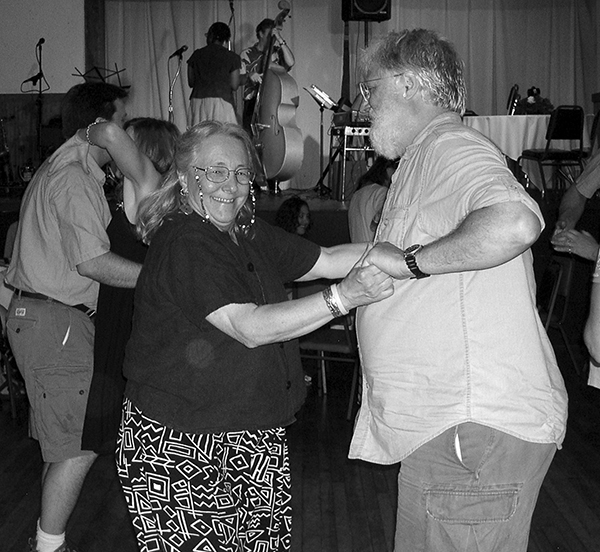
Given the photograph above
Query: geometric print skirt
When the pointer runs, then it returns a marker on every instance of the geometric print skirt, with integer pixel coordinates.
(217, 492)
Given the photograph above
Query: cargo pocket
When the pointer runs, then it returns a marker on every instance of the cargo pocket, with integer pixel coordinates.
(60, 402)
(467, 518)
(491, 504)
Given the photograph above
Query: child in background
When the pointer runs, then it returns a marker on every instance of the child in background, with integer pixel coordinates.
(293, 216)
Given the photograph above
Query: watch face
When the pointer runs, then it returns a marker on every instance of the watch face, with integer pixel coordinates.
(412, 249)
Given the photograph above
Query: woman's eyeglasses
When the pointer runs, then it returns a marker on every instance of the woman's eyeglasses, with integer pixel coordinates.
(218, 175)
(365, 89)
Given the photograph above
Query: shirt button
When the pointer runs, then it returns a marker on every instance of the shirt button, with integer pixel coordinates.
(250, 267)
(288, 384)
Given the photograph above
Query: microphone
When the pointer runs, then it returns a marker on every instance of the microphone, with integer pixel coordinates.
(284, 5)
(33, 80)
(178, 52)
(40, 42)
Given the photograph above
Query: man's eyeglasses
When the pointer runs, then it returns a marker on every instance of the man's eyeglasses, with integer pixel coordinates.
(365, 89)
(218, 175)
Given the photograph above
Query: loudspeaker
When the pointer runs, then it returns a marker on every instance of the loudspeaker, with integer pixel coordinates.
(366, 10)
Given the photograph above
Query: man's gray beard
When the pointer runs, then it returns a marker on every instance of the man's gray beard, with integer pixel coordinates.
(385, 140)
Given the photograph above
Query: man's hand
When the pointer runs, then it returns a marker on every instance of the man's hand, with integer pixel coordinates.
(389, 259)
(278, 38)
(256, 78)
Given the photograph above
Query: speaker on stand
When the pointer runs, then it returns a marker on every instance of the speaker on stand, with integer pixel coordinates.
(354, 10)
(366, 10)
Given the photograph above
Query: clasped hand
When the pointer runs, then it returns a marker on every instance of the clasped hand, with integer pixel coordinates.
(388, 258)
(365, 284)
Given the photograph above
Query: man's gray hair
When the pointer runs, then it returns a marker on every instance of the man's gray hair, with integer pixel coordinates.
(432, 59)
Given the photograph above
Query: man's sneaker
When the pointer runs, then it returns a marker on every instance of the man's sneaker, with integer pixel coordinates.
(64, 547)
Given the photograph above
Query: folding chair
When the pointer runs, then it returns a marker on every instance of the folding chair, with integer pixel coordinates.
(566, 123)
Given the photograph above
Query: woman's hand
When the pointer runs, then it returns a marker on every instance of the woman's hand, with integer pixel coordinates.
(364, 284)
(582, 244)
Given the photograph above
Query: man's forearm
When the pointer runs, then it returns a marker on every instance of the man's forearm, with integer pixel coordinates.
(111, 269)
(486, 238)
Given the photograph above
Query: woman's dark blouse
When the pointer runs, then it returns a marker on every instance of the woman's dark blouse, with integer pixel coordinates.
(182, 371)
(113, 327)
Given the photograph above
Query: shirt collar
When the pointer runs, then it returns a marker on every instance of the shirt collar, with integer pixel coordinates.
(432, 126)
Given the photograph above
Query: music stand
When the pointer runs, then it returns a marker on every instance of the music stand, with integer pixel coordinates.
(101, 74)
(324, 101)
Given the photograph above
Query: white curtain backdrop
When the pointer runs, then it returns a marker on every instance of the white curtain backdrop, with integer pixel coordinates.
(551, 44)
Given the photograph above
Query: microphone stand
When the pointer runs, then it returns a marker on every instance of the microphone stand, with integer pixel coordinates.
(172, 86)
(39, 102)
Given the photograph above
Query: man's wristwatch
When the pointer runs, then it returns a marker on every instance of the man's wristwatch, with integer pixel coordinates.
(411, 261)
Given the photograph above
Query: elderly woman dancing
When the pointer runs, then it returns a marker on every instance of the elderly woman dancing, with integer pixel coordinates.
(212, 367)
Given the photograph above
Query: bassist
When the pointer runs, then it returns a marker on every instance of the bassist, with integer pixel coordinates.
(253, 63)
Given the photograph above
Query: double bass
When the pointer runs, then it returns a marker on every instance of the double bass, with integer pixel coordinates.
(276, 135)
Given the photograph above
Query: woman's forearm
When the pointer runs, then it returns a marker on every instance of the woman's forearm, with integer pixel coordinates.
(129, 159)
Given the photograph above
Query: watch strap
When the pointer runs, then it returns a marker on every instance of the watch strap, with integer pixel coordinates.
(411, 261)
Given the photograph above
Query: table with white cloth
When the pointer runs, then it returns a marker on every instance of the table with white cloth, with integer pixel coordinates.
(515, 133)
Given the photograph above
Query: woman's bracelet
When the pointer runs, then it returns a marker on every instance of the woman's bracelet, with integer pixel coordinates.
(333, 301)
(87, 130)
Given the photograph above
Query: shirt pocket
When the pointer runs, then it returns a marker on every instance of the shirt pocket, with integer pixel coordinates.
(393, 225)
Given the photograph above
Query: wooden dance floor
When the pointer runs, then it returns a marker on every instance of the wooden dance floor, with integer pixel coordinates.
(339, 505)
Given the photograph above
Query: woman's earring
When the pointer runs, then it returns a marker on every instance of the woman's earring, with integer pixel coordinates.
(253, 200)
(184, 204)
(252, 209)
(205, 216)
